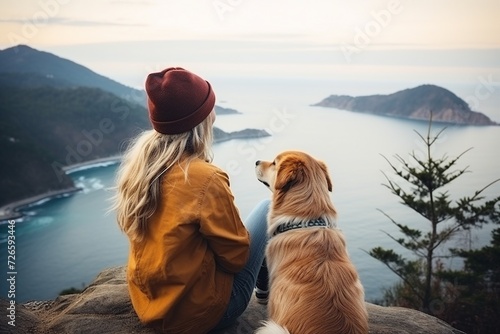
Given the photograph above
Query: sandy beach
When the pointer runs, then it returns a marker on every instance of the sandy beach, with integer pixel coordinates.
(11, 210)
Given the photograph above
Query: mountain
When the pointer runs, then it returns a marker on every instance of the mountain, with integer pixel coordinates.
(414, 103)
(45, 129)
(49, 69)
(48, 122)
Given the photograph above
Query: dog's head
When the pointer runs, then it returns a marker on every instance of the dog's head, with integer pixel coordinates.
(300, 186)
(293, 169)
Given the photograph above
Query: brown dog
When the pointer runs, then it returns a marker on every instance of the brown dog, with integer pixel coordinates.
(314, 287)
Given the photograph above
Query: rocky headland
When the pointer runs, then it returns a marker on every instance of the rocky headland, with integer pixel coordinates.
(414, 103)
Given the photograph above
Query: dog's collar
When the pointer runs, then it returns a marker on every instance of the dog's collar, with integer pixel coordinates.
(293, 226)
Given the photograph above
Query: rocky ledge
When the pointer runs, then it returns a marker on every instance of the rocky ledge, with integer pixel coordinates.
(104, 307)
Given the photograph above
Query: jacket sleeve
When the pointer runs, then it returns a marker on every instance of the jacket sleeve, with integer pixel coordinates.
(221, 225)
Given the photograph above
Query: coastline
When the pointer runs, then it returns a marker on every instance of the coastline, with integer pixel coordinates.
(10, 211)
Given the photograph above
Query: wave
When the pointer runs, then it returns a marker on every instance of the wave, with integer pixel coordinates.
(88, 185)
(43, 201)
(40, 202)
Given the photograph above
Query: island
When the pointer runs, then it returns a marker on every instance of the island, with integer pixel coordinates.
(413, 103)
(225, 111)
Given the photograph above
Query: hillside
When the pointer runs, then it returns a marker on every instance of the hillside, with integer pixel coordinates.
(414, 103)
(46, 128)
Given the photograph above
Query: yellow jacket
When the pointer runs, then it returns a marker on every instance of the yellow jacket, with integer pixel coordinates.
(180, 276)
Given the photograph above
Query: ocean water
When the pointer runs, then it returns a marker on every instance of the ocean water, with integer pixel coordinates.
(66, 242)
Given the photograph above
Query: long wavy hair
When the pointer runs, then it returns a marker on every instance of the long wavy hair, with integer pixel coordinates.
(148, 157)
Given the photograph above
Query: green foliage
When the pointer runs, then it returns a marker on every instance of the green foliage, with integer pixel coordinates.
(478, 308)
(424, 180)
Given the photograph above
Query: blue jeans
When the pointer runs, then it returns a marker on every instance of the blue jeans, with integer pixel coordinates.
(244, 281)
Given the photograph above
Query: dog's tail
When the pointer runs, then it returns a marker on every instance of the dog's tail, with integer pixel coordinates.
(270, 327)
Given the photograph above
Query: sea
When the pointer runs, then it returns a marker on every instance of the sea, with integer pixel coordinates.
(66, 241)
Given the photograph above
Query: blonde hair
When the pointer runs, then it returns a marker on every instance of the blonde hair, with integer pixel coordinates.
(150, 155)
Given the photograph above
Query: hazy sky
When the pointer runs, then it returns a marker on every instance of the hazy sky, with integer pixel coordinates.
(429, 23)
(355, 40)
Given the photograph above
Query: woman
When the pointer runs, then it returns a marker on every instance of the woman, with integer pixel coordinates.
(192, 263)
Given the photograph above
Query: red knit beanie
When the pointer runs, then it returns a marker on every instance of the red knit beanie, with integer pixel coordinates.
(178, 100)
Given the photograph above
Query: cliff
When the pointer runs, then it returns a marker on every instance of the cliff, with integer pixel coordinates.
(104, 307)
(414, 103)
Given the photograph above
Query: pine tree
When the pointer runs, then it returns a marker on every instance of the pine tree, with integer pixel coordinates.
(424, 180)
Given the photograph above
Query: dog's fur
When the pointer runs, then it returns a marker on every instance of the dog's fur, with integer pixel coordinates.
(314, 287)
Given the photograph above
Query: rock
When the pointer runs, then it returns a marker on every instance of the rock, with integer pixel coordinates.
(399, 320)
(105, 307)
(25, 321)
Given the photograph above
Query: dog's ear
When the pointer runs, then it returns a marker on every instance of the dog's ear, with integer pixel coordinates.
(324, 168)
(290, 172)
